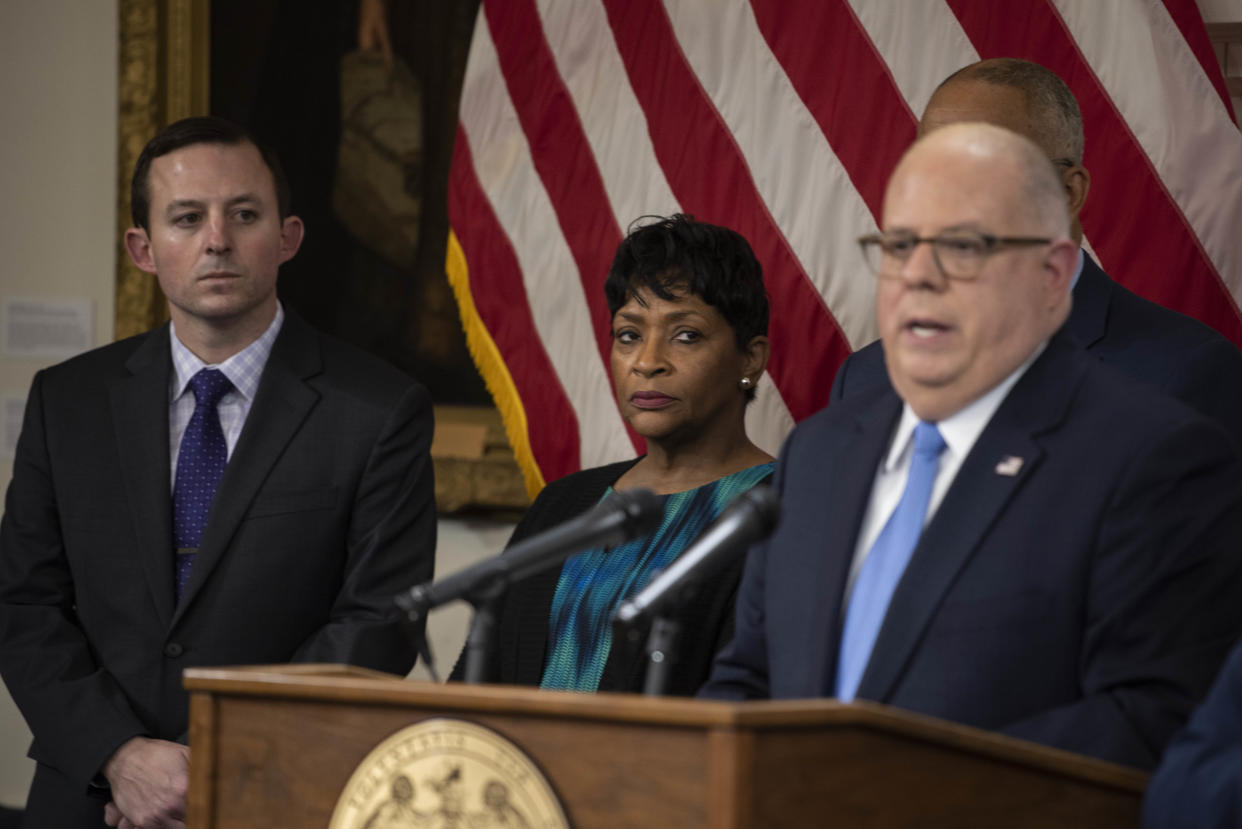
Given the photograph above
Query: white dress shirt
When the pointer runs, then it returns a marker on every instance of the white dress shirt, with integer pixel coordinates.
(960, 431)
(244, 370)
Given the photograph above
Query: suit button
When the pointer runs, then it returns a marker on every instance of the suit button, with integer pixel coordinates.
(172, 650)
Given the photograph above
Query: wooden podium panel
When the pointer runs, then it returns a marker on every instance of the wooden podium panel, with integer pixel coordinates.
(275, 746)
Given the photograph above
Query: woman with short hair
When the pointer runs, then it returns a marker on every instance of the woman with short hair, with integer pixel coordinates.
(689, 344)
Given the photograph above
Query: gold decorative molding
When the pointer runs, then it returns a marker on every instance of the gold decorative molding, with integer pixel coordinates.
(188, 58)
(474, 463)
(164, 76)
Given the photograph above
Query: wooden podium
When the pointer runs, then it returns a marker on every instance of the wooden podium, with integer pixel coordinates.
(275, 746)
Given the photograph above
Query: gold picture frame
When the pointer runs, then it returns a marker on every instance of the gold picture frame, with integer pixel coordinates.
(163, 76)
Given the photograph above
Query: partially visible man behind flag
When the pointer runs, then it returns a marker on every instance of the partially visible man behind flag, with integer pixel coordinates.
(783, 119)
(1170, 352)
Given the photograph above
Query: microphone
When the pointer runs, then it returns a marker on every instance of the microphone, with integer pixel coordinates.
(624, 516)
(750, 517)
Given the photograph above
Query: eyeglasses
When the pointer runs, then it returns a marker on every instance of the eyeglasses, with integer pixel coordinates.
(959, 254)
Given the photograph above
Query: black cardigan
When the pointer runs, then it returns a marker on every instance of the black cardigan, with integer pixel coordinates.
(522, 637)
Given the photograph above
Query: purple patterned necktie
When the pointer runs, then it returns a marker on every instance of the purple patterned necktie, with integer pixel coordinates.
(200, 464)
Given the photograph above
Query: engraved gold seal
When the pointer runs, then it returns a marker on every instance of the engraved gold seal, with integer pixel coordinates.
(447, 774)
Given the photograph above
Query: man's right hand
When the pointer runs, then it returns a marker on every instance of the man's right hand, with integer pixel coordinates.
(149, 779)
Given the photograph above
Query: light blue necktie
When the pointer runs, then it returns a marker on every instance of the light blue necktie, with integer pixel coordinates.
(200, 465)
(882, 569)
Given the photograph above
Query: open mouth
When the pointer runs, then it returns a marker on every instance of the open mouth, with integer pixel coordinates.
(925, 329)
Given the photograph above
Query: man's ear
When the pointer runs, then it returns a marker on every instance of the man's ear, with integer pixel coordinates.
(756, 357)
(138, 244)
(1060, 264)
(291, 233)
(1077, 183)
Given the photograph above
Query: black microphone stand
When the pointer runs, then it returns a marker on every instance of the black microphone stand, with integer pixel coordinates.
(481, 640)
(480, 647)
(663, 643)
(749, 517)
(663, 646)
(413, 614)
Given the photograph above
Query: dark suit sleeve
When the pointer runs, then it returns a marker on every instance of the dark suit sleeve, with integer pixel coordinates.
(1162, 606)
(1210, 381)
(390, 546)
(1199, 782)
(76, 707)
(740, 670)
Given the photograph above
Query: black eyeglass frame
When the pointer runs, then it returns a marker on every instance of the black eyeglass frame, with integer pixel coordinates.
(991, 244)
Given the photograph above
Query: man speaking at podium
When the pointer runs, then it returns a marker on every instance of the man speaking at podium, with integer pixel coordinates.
(1012, 535)
(231, 488)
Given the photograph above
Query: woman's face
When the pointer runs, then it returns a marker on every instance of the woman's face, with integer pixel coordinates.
(676, 365)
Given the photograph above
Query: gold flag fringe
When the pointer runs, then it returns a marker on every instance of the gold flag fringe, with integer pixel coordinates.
(492, 367)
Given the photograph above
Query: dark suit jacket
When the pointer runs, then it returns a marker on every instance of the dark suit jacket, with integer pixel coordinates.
(1172, 352)
(1199, 782)
(324, 512)
(1085, 602)
(522, 634)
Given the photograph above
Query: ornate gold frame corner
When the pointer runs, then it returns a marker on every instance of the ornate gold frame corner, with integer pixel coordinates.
(164, 65)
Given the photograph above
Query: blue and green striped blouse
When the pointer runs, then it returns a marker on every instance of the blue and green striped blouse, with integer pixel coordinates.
(593, 583)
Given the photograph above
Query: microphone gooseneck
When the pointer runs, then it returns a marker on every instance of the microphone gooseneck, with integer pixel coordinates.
(748, 518)
(623, 516)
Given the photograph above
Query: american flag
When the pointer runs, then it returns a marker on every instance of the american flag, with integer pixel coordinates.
(782, 119)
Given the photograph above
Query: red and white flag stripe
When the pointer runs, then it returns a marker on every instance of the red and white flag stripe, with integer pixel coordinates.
(782, 119)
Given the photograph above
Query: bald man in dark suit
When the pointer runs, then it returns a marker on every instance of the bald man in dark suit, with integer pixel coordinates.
(1008, 534)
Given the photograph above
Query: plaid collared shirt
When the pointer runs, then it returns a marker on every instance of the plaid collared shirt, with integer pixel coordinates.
(243, 370)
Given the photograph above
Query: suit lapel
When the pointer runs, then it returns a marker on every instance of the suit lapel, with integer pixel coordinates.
(975, 501)
(1088, 320)
(281, 404)
(140, 419)
(835, 523)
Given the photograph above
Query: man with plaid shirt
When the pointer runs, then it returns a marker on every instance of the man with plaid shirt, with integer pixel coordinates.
(233, 487)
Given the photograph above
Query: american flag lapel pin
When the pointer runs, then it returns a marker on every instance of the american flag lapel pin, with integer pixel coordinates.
(1009, 466)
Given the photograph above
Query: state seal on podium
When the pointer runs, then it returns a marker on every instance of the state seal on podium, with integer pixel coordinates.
(447, 773)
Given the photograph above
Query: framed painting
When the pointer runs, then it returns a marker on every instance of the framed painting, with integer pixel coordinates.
(374, 198)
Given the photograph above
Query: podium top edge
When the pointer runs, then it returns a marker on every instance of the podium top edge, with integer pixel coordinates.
(347, 684)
